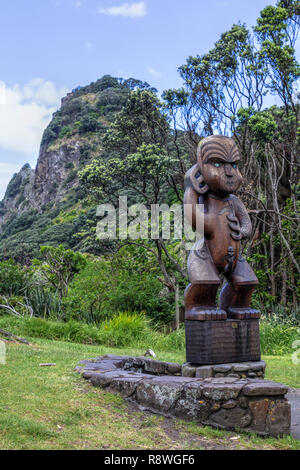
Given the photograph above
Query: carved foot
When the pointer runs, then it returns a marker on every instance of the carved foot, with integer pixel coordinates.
(244, 313)
(205, 313)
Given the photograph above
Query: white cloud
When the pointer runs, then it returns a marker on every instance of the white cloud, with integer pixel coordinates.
(77, 3)
(127, 10)
(25, 111)
(153, 72)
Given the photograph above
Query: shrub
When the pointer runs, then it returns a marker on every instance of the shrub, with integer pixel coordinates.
(87, 293)
(124, 329)
(88, 123)
(71, 331)
(43, 302)
(100, 290)
(66, 131)
(12, 278)
(277, 339)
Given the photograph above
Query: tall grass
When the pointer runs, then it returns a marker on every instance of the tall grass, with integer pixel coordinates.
(122, 330)
(135, 331)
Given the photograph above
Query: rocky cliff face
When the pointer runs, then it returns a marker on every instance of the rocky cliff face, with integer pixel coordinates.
(44, 206)
(55, 173)
(18, 194)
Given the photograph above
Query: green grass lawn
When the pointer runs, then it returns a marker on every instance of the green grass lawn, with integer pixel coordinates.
(53, 408)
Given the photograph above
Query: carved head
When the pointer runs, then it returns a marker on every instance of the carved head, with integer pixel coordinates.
(218, 158)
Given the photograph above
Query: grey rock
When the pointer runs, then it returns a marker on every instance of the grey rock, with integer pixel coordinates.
(188, 371)
(158, 395)
(230, 418)
(278, 421)
(101, 366)
(243, 402)
(223, 368)
(221, 391)
(259, 409)
(257, 365)
(204, 372)
(243, 367)
(252, 375)
(125, 385)
(229, 404)
(113, 357)
(155, 367)
(134, 363)
(190, 405)
(264, 387)
(223, 380)
(173, 368)
(103, 379)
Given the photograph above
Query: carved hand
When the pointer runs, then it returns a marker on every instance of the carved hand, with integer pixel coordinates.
(234, 225)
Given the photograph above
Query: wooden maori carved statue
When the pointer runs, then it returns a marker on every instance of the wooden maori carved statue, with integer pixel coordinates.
(212, 182)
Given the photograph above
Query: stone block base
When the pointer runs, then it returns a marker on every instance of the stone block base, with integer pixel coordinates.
(223, 341)
(232, 403)
(240, 370)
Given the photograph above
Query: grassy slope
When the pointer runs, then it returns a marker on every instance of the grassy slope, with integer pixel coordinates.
(53, 408)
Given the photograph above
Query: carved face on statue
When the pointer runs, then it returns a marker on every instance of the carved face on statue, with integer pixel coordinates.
(218, 159)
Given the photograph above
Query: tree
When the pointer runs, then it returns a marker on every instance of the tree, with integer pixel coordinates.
(224, 91)
(59, 267)
(143, 164)
(12, 278)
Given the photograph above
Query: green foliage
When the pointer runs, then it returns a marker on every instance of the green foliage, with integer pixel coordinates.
(140, 122)
(66, 131)
(71, 177)
(88, 123)
(59, 266)
(44, 302)
(146, 172)
(78, 114)
(263, 126)
(102, 288)
(12, 278)
(124, 329)
(71, 331)
(88, 292)
(52, 131)
(14, 185)
(277, 338)
(277, 40)
(134, 331)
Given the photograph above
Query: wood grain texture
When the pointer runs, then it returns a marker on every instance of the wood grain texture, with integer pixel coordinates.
(217, 342)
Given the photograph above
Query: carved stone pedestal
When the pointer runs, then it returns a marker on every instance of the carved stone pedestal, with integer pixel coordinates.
(222, 341)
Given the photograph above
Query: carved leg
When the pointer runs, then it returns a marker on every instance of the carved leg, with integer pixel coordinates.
(200, 302)
(236, 296)
(236, 301)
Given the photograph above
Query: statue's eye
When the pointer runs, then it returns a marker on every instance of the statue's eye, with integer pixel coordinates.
(234, 165)
(216, 164)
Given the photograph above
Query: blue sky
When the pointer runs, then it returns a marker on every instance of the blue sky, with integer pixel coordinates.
(48, 47)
